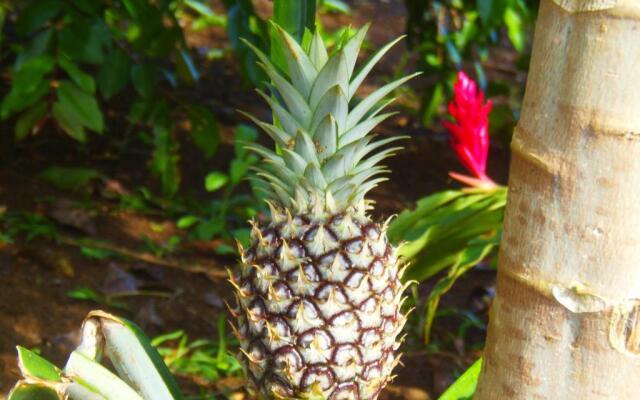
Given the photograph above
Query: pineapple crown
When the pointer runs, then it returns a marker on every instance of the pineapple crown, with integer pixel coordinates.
(325, 159)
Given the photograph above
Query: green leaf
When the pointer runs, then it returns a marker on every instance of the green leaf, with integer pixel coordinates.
(97, 253)
(204, 130)
(187, 221)
(337, 6)
(94, 37)
(82, 79)
(143, 77)
(28, 85)
(515, 29)
(81, 105)
(37, 14)
(435, 99)
(206, 230)
(491, 11)
(69, 122)
(408, 218)
(39, 46)
(215, 180)
(33, 391)
(166, 158)
(114, 73)
(243, 236)
(238, 170)
(443, 226)
(89, 374)
(243, 134)
(85, 293)
(124, 340)
(88, 294)
(69, 178)
(33, 365)
(468, 258)
(465, 386)
(27, 122)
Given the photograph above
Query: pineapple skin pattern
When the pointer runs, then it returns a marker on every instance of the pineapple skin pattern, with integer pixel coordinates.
(319, 296)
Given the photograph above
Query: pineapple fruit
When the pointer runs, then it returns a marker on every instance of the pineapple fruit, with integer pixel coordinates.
(319, 292)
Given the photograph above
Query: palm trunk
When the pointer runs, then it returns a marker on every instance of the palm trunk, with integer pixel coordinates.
(566, 320)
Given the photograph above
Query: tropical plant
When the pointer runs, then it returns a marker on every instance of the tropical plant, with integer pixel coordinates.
(450, 35)
(564, 323)
(455, 229)
(319, 295)
(126, 44)
(139, 372)
(203, 359)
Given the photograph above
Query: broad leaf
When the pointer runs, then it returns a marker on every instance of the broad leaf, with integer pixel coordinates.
(27, 122)
(81, 78)
(114, 73)
(33, 365)
(81, 105)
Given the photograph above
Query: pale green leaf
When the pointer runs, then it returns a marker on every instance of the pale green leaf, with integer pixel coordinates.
(368, 66)
(335, 72)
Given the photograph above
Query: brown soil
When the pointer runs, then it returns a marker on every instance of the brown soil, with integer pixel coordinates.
(35, 276)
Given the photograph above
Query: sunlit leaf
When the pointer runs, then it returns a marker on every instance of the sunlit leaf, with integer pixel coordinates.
(215, 180)
(465, 386)
(34, 366)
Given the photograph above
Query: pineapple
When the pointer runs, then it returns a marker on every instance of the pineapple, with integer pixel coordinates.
(319, 291)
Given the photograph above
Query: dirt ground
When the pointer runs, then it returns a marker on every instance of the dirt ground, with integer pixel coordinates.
(35, 276)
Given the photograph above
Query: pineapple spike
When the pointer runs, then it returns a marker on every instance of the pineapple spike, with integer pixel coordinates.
(335, 72)
(276, 215)
(278, 135)
(301, 70)
(292, 97)
(317, 51)
(362, 129)
(289, 123)
(364, 71)
(352, 48)
(370, 101)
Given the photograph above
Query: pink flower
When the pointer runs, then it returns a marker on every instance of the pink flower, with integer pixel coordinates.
(469, 133)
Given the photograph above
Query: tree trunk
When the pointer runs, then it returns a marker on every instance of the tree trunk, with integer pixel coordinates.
(565, 323)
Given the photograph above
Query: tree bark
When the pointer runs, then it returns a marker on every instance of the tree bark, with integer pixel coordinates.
(565, 323)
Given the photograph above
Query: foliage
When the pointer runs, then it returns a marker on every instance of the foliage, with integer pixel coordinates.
(200, 14)
(202, 358)
(224, 217)
(127, 44)
(453, 230)
(29, 225)
(465, 386)
(139, 371)
(447, 34)
(69, 178)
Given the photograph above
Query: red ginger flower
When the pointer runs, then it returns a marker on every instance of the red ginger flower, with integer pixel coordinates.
(469, 133)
